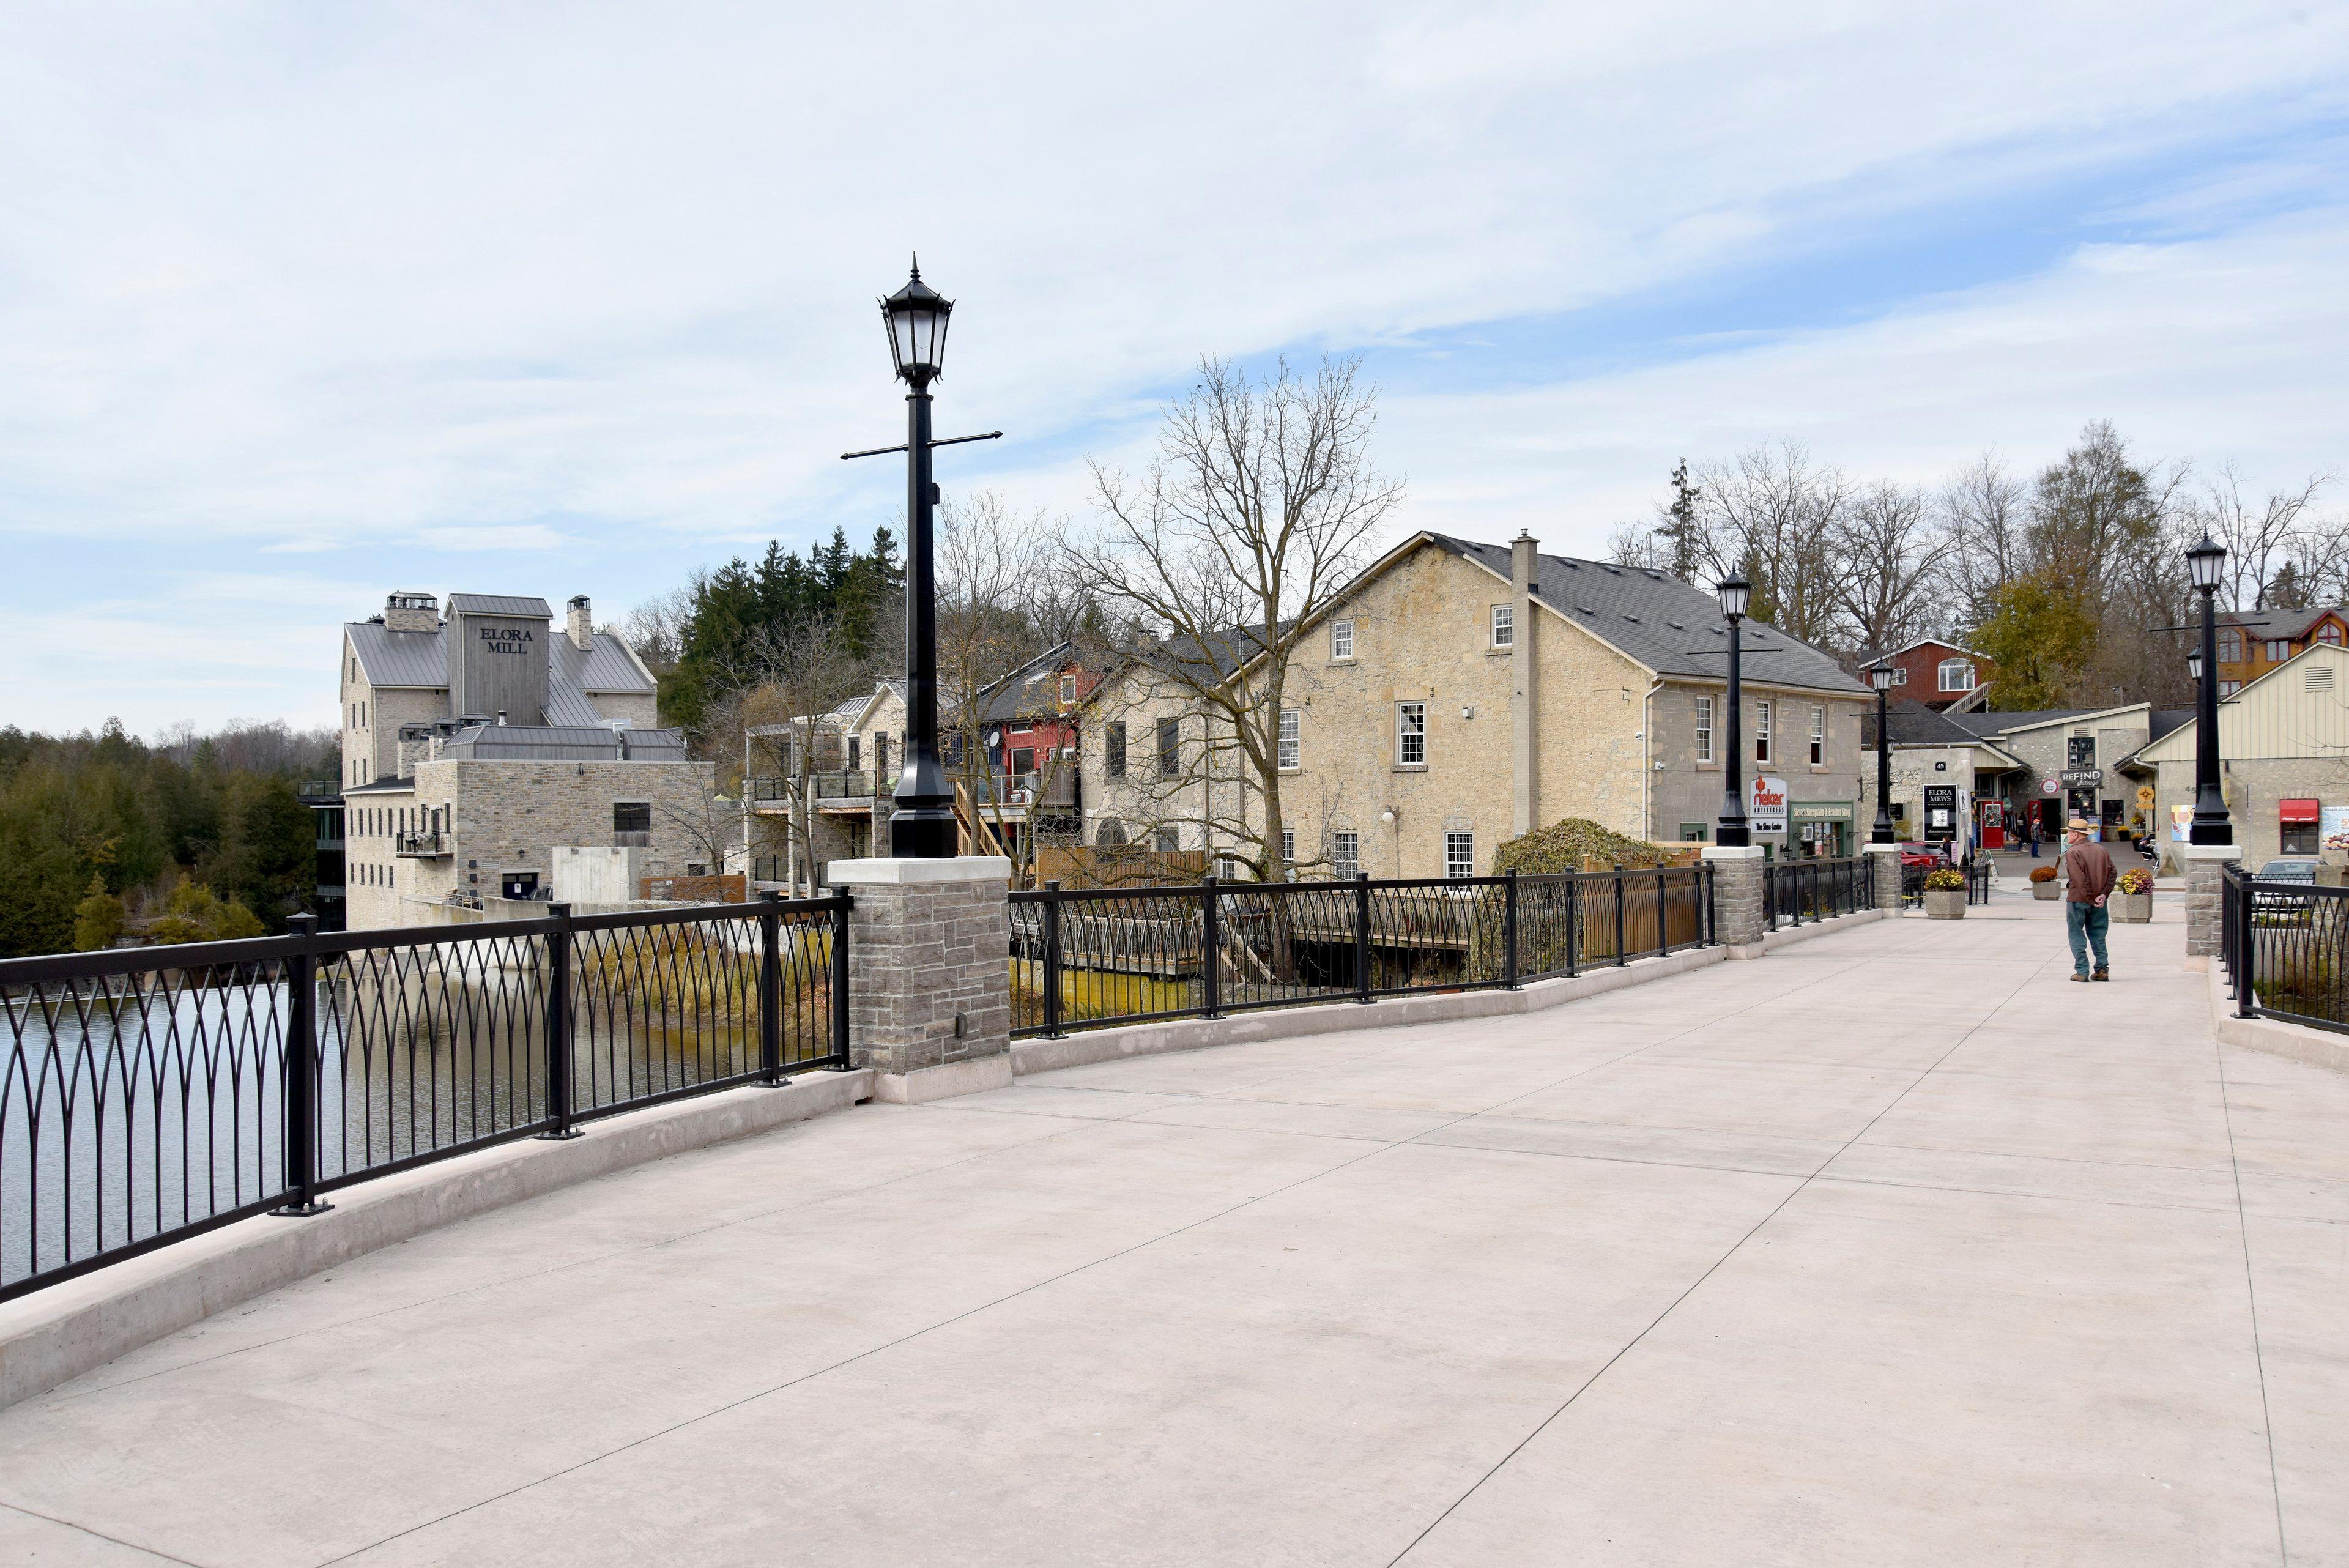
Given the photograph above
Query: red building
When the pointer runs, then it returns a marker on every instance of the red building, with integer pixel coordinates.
(1937, 674)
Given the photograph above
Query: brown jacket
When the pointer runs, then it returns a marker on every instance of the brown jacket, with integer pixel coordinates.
(2089, 870)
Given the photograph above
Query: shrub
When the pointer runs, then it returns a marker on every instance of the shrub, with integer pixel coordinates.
(2136, 881)
(1568, 845)
(1945, 881)
(2042, 873)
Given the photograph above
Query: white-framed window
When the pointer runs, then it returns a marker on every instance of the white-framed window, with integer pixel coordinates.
(1170, 840)
(1704, 729)
(1957, 675)
(1411, 734)
(1505, 625)
(1288, 847)
(1818, 735)
(1290, 747)
(1227, 867)
(1068, 689)
(1900, 675)
(1341, 638)
(1459, 855)
(1346, 852)
(1762, 732)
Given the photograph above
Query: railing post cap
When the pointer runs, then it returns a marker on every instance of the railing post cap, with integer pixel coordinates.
(301, 925)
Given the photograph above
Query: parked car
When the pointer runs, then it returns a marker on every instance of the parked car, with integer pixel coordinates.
(2278, 907)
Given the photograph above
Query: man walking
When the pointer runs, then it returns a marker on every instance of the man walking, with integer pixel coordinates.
(2089, 875)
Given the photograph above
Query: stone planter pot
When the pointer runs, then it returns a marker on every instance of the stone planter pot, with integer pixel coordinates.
(1945, 903)
(2047, 890)
(2132, 909)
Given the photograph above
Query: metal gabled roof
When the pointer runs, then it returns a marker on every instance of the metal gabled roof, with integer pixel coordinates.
(411, 659)
(565, 743)
(498, 604)
(606, 664)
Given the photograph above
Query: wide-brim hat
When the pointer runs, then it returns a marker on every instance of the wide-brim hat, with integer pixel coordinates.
(2078, 824)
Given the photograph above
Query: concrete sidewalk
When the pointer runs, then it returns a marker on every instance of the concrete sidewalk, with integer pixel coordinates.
(1893, 1247)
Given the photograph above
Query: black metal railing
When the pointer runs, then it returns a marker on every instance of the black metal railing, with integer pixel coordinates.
(2286, 949)
(1809, 889)
(1086, 957)
(151, 1094)
(1978, 873)
(1978, 883)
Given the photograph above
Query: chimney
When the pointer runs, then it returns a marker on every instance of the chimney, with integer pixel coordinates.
(1525, 734)
(405, 611)
(579, 621)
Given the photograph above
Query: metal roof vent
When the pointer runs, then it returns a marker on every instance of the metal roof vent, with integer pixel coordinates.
(2317, 677)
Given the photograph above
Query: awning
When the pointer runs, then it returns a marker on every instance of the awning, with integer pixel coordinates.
(2292, 811)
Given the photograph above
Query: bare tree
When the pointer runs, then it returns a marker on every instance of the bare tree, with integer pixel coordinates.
(1892, 552)
(1259, 505)
(655, 628)
(1771, 514)
(793, 678)
(1983, 514)
(2265, 537)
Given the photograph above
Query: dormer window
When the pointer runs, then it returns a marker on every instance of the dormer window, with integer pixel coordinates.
(2329, 634)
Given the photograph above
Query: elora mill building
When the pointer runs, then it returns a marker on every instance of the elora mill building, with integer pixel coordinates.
(496, 758)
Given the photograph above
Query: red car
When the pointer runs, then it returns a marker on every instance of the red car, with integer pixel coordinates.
(1921, 858)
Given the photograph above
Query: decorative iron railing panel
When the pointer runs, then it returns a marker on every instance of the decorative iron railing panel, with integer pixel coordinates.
(1084, 958)
(151, 1094)
(1803, 889)
(2285, 946)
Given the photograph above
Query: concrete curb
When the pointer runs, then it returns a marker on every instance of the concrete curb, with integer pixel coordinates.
(58, 1334)
(1086, 1048)
(2317, 1047)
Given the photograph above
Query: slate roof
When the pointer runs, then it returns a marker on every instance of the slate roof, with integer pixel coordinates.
(1667, 625)
(1982, 723)
(1031, 691)
(498, 604)
(2265, 624)
(1912, 723)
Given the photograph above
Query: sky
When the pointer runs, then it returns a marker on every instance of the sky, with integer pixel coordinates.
(303, 304)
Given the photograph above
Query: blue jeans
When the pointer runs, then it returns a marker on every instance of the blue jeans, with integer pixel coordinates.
(2085, 924)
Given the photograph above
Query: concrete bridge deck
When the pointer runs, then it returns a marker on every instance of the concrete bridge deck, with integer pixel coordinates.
(1894, 1247)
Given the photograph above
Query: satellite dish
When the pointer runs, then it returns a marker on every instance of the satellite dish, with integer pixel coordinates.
(995, 737)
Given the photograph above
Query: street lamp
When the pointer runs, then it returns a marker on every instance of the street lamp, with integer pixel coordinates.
(1734, 593)
(1879, 675)
(922, 826)
(2211, 824)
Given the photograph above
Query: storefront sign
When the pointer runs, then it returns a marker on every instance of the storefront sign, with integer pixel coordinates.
(2335, 827)
(2050, 786)
(1765, 806)
(1940, 811)
(2079, 778)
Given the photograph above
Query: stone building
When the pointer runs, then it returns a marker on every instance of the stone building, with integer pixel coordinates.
(2283, 748)
(1930, 754)
(2070, 759)
(1457, 694)
(475, 746)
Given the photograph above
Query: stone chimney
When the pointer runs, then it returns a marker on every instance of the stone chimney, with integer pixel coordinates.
(1524, 733)
(411, 612)
(579, 620)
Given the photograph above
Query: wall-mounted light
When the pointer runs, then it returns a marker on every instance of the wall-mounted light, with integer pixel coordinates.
(1466, 712)
(1387, 816)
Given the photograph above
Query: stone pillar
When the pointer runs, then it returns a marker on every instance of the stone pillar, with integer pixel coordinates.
(1883, 875)
(2206, 866)
(929, 974)
(1739, 917)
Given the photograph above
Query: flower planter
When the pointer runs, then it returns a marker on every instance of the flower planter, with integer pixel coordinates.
(1945, 903)
(2047, 890)
(2133, 908)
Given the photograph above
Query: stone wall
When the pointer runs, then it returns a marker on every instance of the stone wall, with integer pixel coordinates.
(929, 967)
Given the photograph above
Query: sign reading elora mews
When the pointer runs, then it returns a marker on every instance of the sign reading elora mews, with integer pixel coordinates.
(1765, 806)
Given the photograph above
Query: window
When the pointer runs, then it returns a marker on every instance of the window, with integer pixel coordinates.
(2080, 751)
(1170, 747)
(1113, 749)
(1459, 855)
(855, 752)
(1900, 675)
(362, 715)
(1346, 851)
(1957, 675)
(1695, 833)
(2279, 650)
(881, 751)
(1342, 640)
(1068, 689)
(1818, 735)
(1227, 868)
(950, 748)
(1411, 734)
(632, 817)
(1704, 729)
(1762, 732)
(1288, 847)
(2230, 645)
(1505, 625)
(1170, 840)
(2329, 634)
(1290, 747)
(1111, 834)
(1023, 760)
(2228, 688)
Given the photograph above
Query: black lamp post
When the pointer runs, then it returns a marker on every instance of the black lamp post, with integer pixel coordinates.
(2211, 823)
(1734, 593)
(1879, 675)
(922, 827)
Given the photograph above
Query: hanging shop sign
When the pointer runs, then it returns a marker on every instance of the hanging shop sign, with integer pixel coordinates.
(1765, 806)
